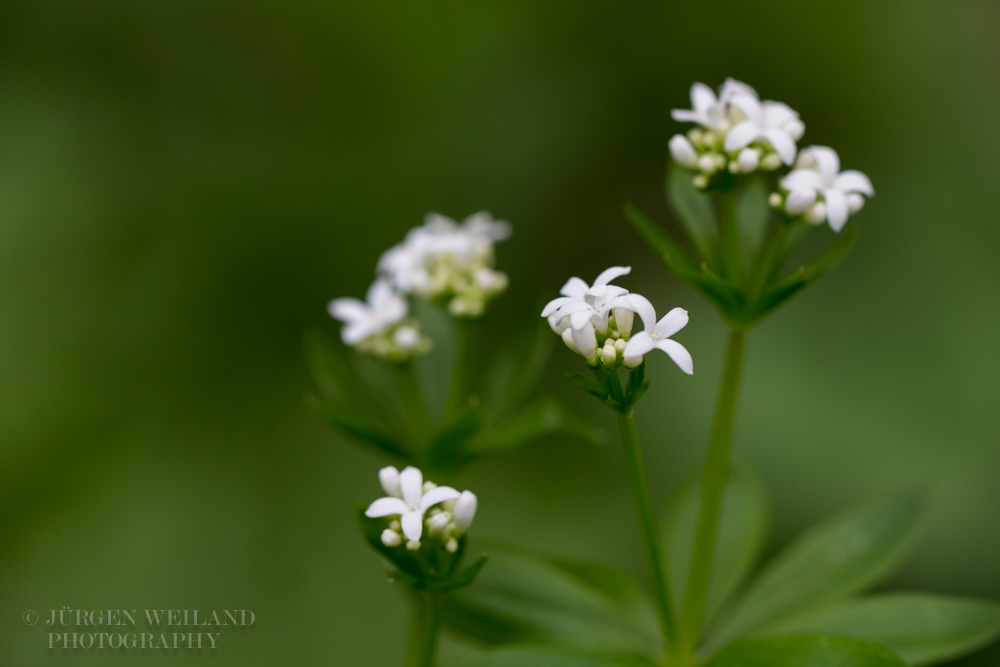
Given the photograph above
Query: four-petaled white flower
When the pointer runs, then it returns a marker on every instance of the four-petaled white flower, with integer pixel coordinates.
(708, 110)
(819, 175)
(381, 309)
(772, 122)
(655, 334)
(406, 499)
(583, 310)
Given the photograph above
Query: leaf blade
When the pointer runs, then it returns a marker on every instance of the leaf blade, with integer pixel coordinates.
(805, 651)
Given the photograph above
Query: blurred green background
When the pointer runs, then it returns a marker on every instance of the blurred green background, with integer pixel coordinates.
(184, 185)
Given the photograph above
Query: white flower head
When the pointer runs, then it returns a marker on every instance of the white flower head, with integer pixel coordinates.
(583, 311)
(449, 262)
(412, 503)
(819, 191)
(711, 111)
(768, 122)
(378, 325)
(655, 334)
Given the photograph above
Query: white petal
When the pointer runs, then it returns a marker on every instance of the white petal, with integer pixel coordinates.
(438, 494)
(571, 307)
(802, 179)
(749, 105)
(682, 151)
(672, 322)
(855, 202)
(777, 114)
(688, 116)
(854, 181)
(386, 507)
(702, 97)
(783, 144)
(585, 340)
(836, 209)
(388, 306)
(641, 306)
(388, 477)
(741, 135)
(623, 320)
(574, 287)
(748, 159)
(678, 353)
(799, 201)
(638, 347)
(413, 525)
(581, 318)
(827, 161)
(465, 510)
(348, 309)
(555, 304)
(411, 483)
(732, 87)
(354, 333)
(607, 275)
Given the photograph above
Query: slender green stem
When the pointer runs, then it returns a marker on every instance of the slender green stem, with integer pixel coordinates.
(414, 405)
(713, 487)
(425, 630)
(461, 376)
(648, 529)
(729, 239)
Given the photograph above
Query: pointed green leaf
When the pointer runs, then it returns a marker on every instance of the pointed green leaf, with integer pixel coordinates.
(741, 534)
(355, 426)
(398, 556)
(694, 211)
(596, 389)
(457, 432)
(921, 628)
(466, 576)
(523, 598)
(805, 651)
(542, 416)
(832, 560)
(518, 369)
(537, 656)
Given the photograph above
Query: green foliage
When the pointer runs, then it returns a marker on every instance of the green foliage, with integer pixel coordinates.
(921, 628)
(606, 386)
(742, 298)
(534, 656)
(805, 651)
(507, 419)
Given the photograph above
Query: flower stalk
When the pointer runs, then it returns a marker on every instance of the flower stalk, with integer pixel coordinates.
(425, 630)
(713, 488)
(461, 379)
(414, 405)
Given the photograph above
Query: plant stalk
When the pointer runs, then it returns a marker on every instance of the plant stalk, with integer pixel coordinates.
(713, 488)
(729, 239)
(461, 377)
(425, 630)
(414, 405)
(648, 530)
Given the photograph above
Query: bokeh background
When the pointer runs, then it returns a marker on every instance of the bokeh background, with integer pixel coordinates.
(184, 185)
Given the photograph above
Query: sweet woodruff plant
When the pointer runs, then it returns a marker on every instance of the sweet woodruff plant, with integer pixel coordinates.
(746, 197)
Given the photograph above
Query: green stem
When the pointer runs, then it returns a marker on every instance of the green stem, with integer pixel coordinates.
(425, 630)
(729, 239)
(461, 376)
(650, 533)
(713, 487)
(414, 405)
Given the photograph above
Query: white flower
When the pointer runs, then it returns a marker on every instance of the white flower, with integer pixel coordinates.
(411, 503)
(383, 309)
(709, 111)
(818, 176)
(772, 122)
(465, 510)
(655, 334)
(586, 309)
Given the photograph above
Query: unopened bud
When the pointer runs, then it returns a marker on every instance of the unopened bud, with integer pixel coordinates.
(770, 162)
(429, 486)
(855, 202)
(806, 160)
(799, 201)
(394, 524)
(706, 163)
(775, 200)
(794, 128)
(465, 510)
(391, 538)
(632, 362)
(437, 523)
(700, 181)
(623, 320)
(412, 545)
(748, 159)
(609, 355)
(388, 477)
(620, 345)
(682, 151)
(406, 337)
(452, 545)
(817, 214)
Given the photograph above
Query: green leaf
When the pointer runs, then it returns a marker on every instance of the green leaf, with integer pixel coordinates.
(398, 556)
(542, 416)
(805, 651)
(695, 212)
(921, 628)
(537, 656)
(832, 560)
(462, 427)
(466, 576)
(598, 390)
(518, 369)
(355, 426)
(740, 538)
(523, 598)
(754, 213)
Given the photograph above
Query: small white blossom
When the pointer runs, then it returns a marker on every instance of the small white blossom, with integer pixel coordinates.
(465, 510)
(378, 325)
(391, 538)
(582, 312)
(412, 503)
(655, 335)
(819, 190)
(709, 111)
(771, 122)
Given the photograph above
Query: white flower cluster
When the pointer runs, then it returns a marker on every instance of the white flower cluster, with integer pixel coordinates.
(819, 192)
(595, 321)
(441, 260)
(738, 132)
(449, 262)
(412, 503)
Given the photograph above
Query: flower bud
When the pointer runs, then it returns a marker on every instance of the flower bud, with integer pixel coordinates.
(395, 525)
(854, 202)
(452, 545)
(585, 340)
(817, 214)
(412, 545)
(388, 477)
(700, 181)
(406, 337)
(558, 326)
(770, 162)
(806, 160)
(748, 159)
(428, 486)
(632, 362)
(794, 128)
(465, 510)
(799, 201)
(391, 538)
(706, 163)
(609, 355)
(623, 320)
(682, 151)
(775, 200)
(620, 345)
(437, 523)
